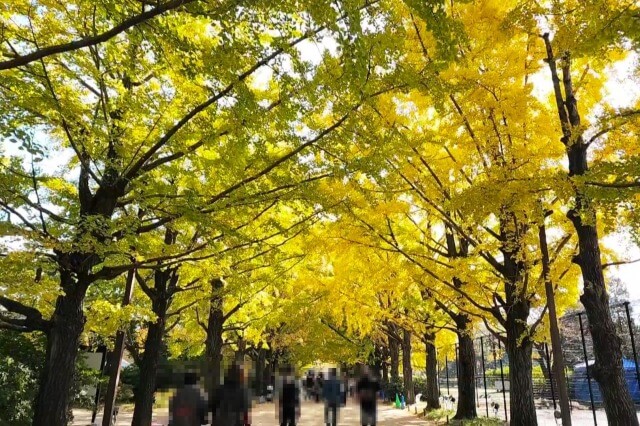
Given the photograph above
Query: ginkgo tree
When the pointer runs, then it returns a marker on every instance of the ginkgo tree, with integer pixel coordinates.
(126, 116)
(409, 181)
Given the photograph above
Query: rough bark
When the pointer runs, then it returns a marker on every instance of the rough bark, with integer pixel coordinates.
(432, 393)
(153, 346)
(385, 373)
(407, 369)
(213, 344)
(68, 319)
(607, 369)
(165, 283)
(394, 359)
(523, 410)
(518, 343)
(63, 339)
(382, 365)
(261, 365)
(466, 372)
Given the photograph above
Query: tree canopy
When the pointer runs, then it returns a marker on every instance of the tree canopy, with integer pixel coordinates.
(318, 180)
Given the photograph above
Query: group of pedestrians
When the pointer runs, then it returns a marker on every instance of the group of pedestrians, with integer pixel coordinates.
(333, 391)
(230, 404)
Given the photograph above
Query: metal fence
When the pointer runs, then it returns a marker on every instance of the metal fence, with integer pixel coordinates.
(492, 369)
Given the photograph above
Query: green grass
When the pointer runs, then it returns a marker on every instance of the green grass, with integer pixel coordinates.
(439, 414)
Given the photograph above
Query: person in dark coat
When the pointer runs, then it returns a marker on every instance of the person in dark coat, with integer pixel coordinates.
(188, 407)
(317, 387)
(367, 389)
(332, 395)
(309, 386)
(231, 403)
(289, 399)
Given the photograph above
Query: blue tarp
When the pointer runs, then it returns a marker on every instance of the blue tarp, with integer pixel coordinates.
(580, 384)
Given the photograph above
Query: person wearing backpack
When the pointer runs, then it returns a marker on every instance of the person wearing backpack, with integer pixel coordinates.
(188, 407)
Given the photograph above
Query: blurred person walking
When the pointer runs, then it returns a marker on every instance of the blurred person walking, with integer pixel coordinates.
(289, 399)
(332, 395)
(309, 382)
(188, 407)
(317, 386)
(232, 402)
(367, 388)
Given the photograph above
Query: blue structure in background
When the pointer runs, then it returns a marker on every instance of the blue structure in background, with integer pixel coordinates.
(580, 384)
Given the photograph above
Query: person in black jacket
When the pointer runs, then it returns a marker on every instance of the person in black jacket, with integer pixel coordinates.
(367, 389)
(231, 403)
(309, 385)
(289, 399)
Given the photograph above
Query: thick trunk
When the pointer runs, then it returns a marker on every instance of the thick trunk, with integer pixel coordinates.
(213, 344)
(432, 393)
(394, 359)
(261, 361)
(52, 401)
(376, 361)
(384, 364)
(466, 373)
(523, 410)
(607, 369)
(519, 345)
(407, 370)
(153, 346)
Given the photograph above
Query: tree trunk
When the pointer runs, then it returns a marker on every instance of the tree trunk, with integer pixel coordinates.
(607, 369)
(213, 344)
(394, 356)
(383, 368)
(153, 346)
(432, 393)
(116, 359)
(523, 410)
(242, 346)
(63, 338)
(546, 370)
(261, 360)
(558, 364)
(519, 344)
(466, 372)
(407, 369)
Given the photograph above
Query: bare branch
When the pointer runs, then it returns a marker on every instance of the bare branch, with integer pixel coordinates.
(623, 262)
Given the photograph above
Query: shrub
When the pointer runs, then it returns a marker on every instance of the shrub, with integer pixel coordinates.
(21, 358)
(393, 387)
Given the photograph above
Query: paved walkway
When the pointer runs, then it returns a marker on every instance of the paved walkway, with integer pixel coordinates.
(312, 415)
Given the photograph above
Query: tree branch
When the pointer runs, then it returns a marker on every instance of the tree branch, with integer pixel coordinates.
(91, 41)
